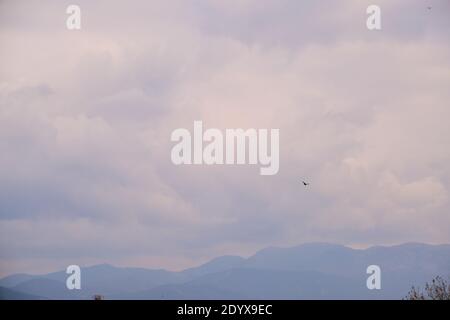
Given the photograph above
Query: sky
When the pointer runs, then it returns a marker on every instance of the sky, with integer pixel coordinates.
(86, 117)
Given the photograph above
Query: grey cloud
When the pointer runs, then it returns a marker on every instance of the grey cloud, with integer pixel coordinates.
(85, 122)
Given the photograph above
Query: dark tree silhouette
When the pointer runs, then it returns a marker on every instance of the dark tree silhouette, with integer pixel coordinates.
(438, 289)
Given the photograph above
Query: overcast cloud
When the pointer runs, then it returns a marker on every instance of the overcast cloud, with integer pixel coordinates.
(86, 117)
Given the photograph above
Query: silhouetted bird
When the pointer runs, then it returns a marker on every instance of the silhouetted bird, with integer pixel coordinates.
(305, 183)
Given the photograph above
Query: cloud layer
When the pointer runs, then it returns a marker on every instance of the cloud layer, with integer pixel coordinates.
(86, 117)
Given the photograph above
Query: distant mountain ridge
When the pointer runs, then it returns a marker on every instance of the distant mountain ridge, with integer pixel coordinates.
(308, 271)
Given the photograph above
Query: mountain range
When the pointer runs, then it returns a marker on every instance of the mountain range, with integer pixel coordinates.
(308, 271)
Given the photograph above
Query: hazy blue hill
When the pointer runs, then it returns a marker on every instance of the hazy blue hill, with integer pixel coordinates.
(8, 294)
(47, 288)
(420, 257)
(321, 257)
(14, 280)
(402, 265)
(99, 279)
(308, 271)
(107, 280)
(344, 261)
(215, 265)
(281, 284)
(189, 291)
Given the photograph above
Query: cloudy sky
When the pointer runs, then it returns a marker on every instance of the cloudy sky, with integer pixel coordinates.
(86, 118)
